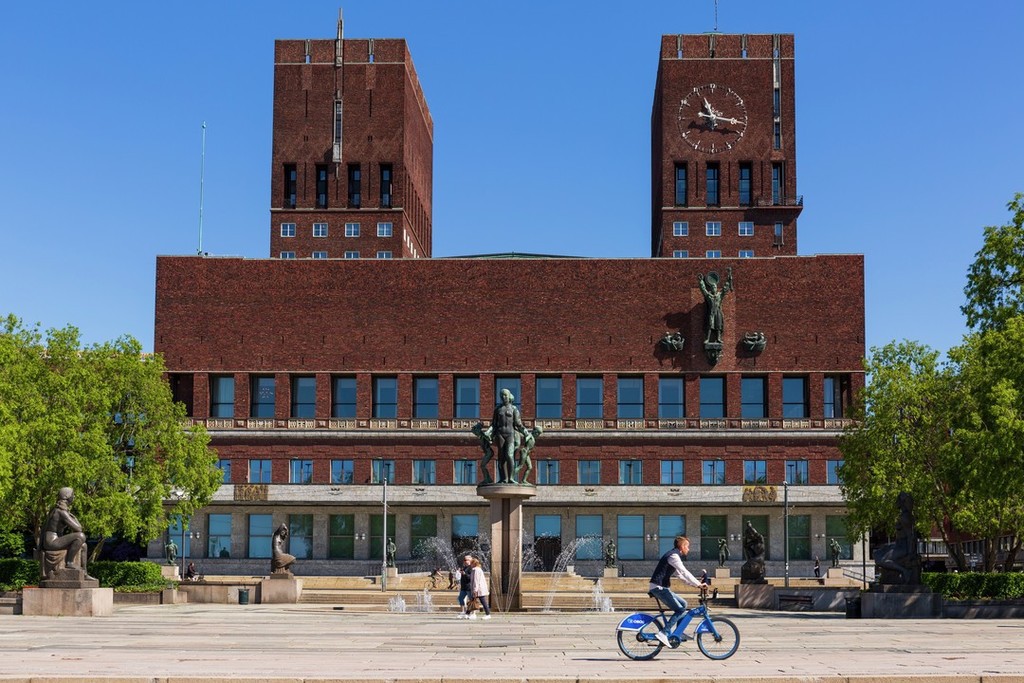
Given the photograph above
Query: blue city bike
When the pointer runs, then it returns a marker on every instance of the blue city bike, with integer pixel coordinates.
(717, 637)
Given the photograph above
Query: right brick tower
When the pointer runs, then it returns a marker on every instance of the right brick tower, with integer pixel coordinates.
(723, 147)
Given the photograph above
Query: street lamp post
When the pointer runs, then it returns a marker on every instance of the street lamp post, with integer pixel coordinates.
(384, 539)
(785, 523)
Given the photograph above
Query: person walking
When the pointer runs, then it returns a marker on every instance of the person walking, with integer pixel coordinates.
(464, 586)
(478, 588)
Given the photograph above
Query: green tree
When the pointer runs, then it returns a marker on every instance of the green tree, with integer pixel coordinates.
(995, 281)
(100, 419)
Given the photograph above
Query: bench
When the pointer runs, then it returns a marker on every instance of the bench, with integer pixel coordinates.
(797, 599)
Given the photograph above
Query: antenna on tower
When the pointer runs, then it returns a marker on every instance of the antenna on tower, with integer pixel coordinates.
(716, 16)
(202, 178)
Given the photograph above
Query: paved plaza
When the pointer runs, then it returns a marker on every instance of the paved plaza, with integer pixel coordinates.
(267, 643)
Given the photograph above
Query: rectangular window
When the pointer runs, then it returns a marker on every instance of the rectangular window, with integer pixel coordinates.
(321, 187)
(547, 472)
(355, 184)
(590, 530)
(680, 253)
(222, 396)
(287, 230)
(381, 470)
(681, 185)
(263, 396)
(713, 228)
(377, 534)
(225, 469)
(338, 129)
(547, 526)
(320, 230)
(467, 397)
(260, 531)
(351, 254)
(712, 397)
(343, 397)
(713, 528)
(385, 229)
(671, 403)
(385, 397)
(794, 397)
(384, 254)
(174, 530)
(319, 254)
(835, 388)
(287, 255)
(465, 472)
(832, 472)
(752, 397)
(260, 472)
(746, 228)
(549, 398)
(778, 188)
(712, 185)
(630, 397)
(671, 472)
(713, 472)
(746, 253)
(799, 537)
(290, 186)
(746, 173)
(514, 385)
(713, 253)
(423, 472)
(465, 533)
(341, 537)
(630, 543)
(342, 472)
(352, 230)
(424, 400)
(680, 229)
(304, 396)
(422, 531)
(218, 536)
(630, 473)
(589, 472)
(796, 472)
(300, 472)
(778, 238)
(835, 528)
(589, 397)
(386, 177)
(777, 135)
(669, 526)
(755, 472)
(300, 536)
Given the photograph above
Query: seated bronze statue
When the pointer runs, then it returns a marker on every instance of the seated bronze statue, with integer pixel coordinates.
(280, 561)
(63, 541)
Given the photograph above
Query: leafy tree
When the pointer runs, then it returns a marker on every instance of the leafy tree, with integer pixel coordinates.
(100, 419)
(995, 281)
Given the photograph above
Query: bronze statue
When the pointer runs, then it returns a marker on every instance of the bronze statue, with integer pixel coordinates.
(63, 542)
(835, 550)
(506, 426)
(752, 570)
(391, 552)
(673, 341)
(899, 562)
(713, 296)
(171, 551)
(484, 435)
(610, 553)
(524, 462)
(280, 561)
(723, 551)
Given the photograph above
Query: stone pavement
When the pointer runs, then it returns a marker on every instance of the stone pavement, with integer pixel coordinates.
(294, 643)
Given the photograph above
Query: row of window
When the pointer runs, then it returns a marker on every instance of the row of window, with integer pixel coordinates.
(634, 540)
(384, 229)
(348, 254)
(354, 177)
(548, 472)
(548, 397)
(714, 228)
(712, 253)
(712, 195)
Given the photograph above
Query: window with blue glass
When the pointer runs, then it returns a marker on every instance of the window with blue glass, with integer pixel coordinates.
(796, 472)
(222, 396)
(263, 396)
(671, 403)
(713, 472)
(174, 531)
(304, 396)
(590, 535)
(669, 526)
(671, 471)
(300, 536)
(746, 173)
(424, 402)
(755, 472)
(423, 472)
(385, 397)
(514, 385)
(832, 472)
(752, 397)
(711, 186)
(301, 472)
(260, 532)
(218, 535)
(778, 187)
(589, 397)
(343, 397)
(342, 472)
(549, 398)
(381, 470)
(465, 472)
(467, 397)
(794, 397)
(225, 468)
(680, 176)
(589, 472)
(630, 473)
(712, 397)
(630, 543)
(630, 397)
(260, 471)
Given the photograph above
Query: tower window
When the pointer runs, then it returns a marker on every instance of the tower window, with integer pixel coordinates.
(680, 184)
(386, 175)
(746, 172)
(321, 187)
(680, 229)
(712, 185)
(778, 190)
(355, 182)
(291, 181)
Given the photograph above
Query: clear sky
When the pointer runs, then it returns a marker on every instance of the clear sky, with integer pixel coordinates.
(909, 136)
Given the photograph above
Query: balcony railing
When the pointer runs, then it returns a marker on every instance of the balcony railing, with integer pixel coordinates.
(781, 201)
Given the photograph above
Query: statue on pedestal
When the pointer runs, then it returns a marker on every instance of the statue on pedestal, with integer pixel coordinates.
(723, 551)
(899, 562)
(752, 570)
(512, 438)
(610, 553)
(714, 320)
(280, 561)
(390, 558)
(171, 552)
(63, 544)
(835, 549)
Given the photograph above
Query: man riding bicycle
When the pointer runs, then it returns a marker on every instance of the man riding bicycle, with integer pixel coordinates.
(670, 566)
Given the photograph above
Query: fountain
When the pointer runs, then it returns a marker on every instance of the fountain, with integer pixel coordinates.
(424, 601)
(602, 603)
(565, 557)
(396, 604)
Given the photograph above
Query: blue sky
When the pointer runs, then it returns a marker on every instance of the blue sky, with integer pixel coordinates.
(908, 137)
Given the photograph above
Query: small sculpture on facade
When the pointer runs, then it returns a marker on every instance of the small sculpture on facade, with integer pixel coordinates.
(899, 562)
(280, 561)
(171, 551)
(752, 570)
(723, 551)
(484, 435)
(835, 549)
(755, 342)
(391, 552)
(63, 543)
(610, 553)
(524, 465)
(714, 321)
(672, 341)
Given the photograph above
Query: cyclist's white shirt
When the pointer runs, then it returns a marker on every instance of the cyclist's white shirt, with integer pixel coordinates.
(678, 572)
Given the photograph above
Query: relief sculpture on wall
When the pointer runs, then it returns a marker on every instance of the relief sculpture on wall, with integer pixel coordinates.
(714, 291)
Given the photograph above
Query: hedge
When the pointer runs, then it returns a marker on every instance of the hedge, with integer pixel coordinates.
(16, 572)
(122, 574)
(976, 585)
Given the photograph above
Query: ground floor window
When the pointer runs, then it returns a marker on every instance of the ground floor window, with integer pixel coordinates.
(712, 530)
(300, 536)
(174, 533)
(423, 529)
(465, 533)
(835, 528)
(630, 537)
(218, 534)
(760, 523)
(799, 537)
(669, 526)
(260, 531)
(377, 535)
(589, 535)
(341, 542)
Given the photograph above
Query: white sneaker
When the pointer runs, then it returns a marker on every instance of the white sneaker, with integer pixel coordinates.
(460, 615)
(472, 615)
(486, 616)
(662, 638)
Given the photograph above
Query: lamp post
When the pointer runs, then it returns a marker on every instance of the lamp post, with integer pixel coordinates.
(384, 538)
(785, 524)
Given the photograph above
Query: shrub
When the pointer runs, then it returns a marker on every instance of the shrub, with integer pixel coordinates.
(976, 585)
(12, 544)
(119, 574)
(16, 573)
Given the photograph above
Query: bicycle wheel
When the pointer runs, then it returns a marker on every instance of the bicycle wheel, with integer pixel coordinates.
(724, 645)
(642, 644)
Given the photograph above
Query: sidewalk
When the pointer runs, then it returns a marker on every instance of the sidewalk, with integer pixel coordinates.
(189, 643)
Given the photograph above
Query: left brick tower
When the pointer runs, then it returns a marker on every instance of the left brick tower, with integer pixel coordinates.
(353, 150)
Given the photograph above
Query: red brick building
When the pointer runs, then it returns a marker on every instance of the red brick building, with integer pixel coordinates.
(383, 368)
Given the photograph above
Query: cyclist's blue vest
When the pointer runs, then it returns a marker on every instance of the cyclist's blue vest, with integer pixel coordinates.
(663, 572)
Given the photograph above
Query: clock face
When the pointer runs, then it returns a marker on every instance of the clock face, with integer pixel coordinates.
(712, 118)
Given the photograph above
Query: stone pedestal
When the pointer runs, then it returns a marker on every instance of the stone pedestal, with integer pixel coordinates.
(722, 573)
(391, 572)
(755, 596)
(506, 542)
(611, 572)
(170, 572)
(67, 602)
(69, 577)
(900, 602)
(280, 588)
(835, 577)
